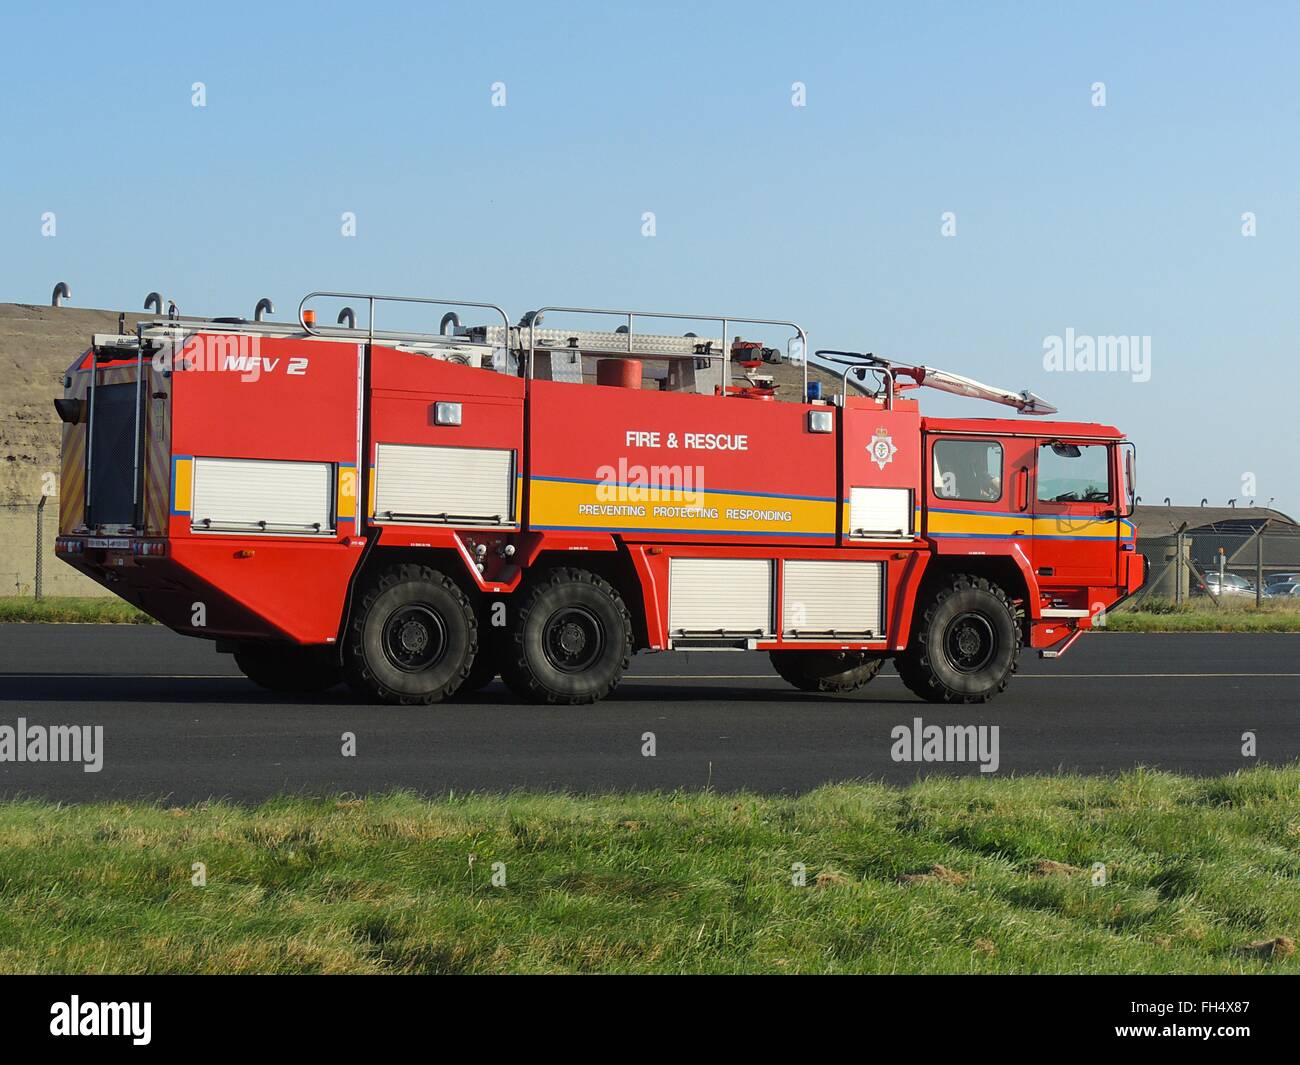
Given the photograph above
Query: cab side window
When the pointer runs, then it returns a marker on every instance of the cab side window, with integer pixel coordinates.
(1073, 473)
(968, 469)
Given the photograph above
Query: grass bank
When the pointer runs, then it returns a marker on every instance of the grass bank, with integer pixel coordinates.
(1201, 615)
(1154, 616)
(71, 609)
(965, 875)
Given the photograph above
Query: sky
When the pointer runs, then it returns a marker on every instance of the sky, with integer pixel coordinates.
(963, 186)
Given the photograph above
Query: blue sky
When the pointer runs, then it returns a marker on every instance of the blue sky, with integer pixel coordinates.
(1116, 220)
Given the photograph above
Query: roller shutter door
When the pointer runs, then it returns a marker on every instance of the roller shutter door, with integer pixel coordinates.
(444, 484)
(832, 598)
(880, 512)
(720, 595)
(255, 495)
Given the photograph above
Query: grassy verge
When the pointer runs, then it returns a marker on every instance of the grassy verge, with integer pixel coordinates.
(958, 875)
(74, 609)
(1154, 615)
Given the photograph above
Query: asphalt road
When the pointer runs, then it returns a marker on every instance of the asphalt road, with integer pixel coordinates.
(181, 724)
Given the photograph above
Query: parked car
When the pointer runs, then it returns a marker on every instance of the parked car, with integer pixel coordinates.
(1281, 588)
(1281, 578)
(1231, 584)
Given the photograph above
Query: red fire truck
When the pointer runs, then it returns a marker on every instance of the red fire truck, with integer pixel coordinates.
(416, 513)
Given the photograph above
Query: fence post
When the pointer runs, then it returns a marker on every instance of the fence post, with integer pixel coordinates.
(40, 546)
(1259, 564)
(1178, 569)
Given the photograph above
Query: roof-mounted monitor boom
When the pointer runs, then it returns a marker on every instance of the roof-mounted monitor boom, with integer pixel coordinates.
(1024, 402)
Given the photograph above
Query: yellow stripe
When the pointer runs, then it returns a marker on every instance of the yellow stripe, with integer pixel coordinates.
(72, 478)
(559, 504)
(1010, 525)
(347, 492)
(183, 488)
(158, 466)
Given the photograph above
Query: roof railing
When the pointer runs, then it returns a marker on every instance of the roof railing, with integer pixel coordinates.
(371, 333)
(523, 338)
(534, 319)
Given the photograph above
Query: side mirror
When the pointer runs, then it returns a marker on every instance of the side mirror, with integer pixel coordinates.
(1126, 501)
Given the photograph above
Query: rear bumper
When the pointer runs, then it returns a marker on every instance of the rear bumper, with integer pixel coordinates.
(165, 590)
(226, 587)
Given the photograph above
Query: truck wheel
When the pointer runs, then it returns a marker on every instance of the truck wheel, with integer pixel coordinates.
(570, 642)
(286, 668)
(412, 639)
(826, 671)
(964, 644)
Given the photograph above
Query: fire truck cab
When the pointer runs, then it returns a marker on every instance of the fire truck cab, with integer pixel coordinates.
(416, 513)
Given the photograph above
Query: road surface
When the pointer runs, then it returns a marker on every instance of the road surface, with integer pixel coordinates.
(180, 724)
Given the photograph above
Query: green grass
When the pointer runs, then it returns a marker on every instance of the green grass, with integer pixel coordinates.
(72, 609)
(1197, 871)
(1153, 615)
(1201, 615)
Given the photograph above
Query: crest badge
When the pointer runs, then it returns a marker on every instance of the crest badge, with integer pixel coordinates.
(881, 448)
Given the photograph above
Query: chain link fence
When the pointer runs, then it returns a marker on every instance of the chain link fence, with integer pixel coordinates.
(1221, 567)
(28, 565)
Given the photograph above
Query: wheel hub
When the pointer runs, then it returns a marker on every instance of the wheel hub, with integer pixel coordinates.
(970, 642)
(414, 638)
(573, 639)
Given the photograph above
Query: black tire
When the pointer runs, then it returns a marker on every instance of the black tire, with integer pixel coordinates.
(826, 671)
(287, 668)
(484, 670)
(570, 641)
(965, 643)
(412, 638)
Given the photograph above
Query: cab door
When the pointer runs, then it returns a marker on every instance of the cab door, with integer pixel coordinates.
(1076, 516)
(978, 492)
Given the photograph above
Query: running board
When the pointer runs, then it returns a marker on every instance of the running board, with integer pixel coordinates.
(1056, 652)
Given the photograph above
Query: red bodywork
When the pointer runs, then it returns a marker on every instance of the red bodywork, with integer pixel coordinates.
(626, 478)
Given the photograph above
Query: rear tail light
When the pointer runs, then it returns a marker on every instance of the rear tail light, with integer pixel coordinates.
(150, 548)
(64, 546)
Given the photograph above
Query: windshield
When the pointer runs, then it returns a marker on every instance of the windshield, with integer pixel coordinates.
(1073, 473)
